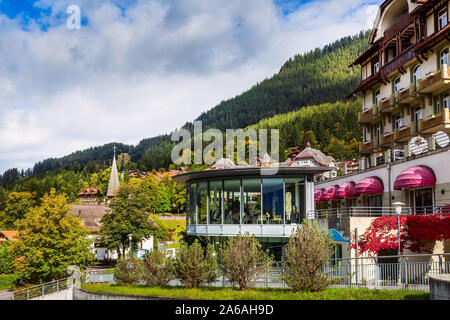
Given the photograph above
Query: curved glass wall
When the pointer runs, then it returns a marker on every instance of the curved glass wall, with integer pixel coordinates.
(232, 201)
(215, 202)
(251, 194)
(202, 203)
(247, 201)
(294, 200)
(192, 214)
(273, 204)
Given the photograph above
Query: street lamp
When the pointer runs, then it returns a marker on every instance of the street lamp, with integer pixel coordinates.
(398, 211)
(130, 236)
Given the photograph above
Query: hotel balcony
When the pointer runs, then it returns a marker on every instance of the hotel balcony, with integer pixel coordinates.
(407, 95)
(387, 104)
(366, 147)
(365, 116)
(403, 134)
(440, 122)
(386, 139)
(435, 81)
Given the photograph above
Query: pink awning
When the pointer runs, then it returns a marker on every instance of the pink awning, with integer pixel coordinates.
(371, 185)
(318, 194)
(417, 176)
(346, 190)
(330, 193)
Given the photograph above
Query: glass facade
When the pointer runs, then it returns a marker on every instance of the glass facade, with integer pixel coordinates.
(251, 192)
(232, 201)
(294, 200)
(247, 201)
(202, 203)
(192, 214)
(215, 202)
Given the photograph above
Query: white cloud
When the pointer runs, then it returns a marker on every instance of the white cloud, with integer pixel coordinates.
(132, 74)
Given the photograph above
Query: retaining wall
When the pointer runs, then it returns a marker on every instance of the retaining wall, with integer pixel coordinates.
(440, 287)
(81, 294)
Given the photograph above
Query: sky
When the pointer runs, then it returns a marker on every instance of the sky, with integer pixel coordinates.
(136, 69)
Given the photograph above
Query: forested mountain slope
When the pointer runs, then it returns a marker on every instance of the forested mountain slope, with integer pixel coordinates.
(317, 77)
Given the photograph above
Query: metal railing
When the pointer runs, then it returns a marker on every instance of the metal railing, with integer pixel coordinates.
(376, 212)
(406, 272)
(41, 289)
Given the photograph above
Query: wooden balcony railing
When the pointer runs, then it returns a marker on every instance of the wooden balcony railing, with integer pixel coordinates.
(398, 61)
(387, 139)
(442, 119)
(366, 147)
(399, 25)
(365, 116)
(387, 105)
(402, 134)
(441, 74)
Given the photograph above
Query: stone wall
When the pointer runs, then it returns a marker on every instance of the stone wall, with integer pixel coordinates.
(440, 287)
(81, 294)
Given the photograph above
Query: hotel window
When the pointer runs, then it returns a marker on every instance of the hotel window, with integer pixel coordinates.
(397, 122)
(446, 101)
(379, 130)
(416, 75)
(376, 67)
(365, 134)
(417, 114)
(376, 97)
(443, 57)
(442, 19)
(397, 85)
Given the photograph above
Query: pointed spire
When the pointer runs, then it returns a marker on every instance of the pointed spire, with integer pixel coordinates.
(113, 178)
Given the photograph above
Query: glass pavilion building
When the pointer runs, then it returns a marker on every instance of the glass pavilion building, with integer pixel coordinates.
(262, 201)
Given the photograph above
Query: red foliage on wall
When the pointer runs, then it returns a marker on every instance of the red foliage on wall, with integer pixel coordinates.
(382, 234)
(433, 227)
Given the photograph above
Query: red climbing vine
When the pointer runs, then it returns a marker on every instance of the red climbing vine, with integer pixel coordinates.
(382, 234)
(433, 227)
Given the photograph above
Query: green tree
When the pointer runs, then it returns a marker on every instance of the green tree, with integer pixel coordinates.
(307, 252)
(243, 260)
(129, 215)
(5, 258)
(195, 266)
(158, 269)
(49, 241)
(17, 205)
(129, 269)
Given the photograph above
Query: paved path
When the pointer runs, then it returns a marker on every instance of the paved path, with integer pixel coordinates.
(5, 295)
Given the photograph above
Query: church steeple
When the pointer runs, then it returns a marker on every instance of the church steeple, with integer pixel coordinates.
(113, 178)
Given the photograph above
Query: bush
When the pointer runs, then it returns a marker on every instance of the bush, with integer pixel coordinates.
(5, 259)
(129, 270)
(307, 252)
(243, 261)
(195, 266)
(158, 270)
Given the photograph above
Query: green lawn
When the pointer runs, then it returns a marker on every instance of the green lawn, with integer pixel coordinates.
(259, 294)
(6, 281)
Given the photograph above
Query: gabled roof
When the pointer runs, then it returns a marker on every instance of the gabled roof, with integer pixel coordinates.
(89, 214)
(316, 154)
(89, 192)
